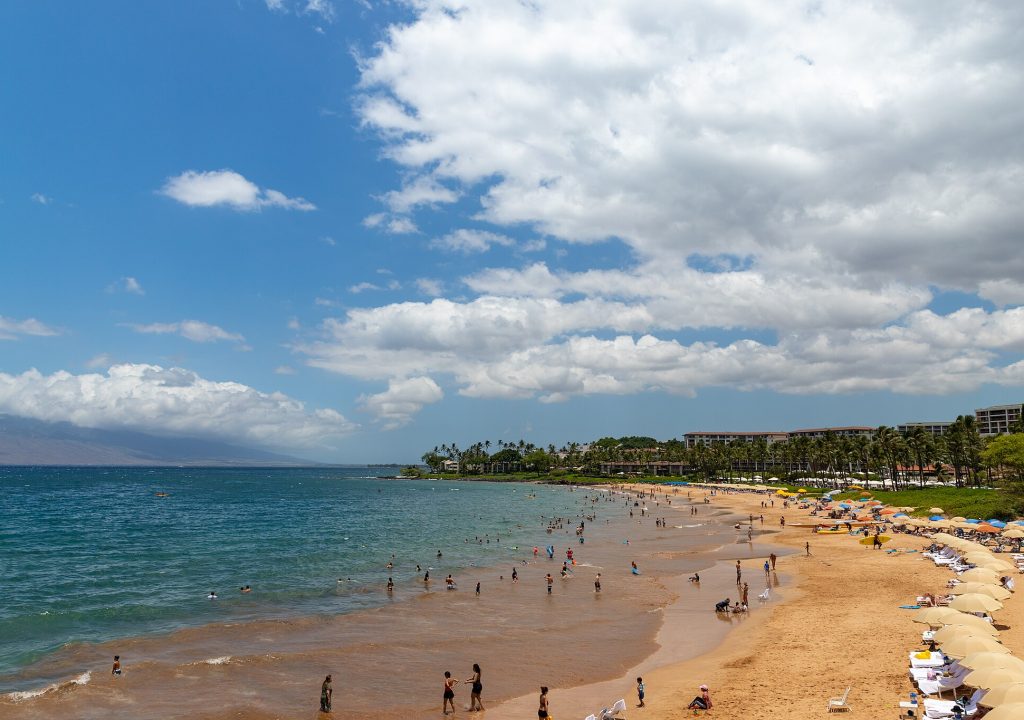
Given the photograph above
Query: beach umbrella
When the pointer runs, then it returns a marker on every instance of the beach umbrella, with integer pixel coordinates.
(1000, 566)
(874, 503)
(984, 575)
(997, 523)
(1003, 695)
(986, 528)
(972, 521)
(978, 556)
(934, 616)
(975, 603)
(889, 511)
(987, 660)
(993, 591)
(990, 677)
(940, 524)
(966, 645)
(951, 632)
(1010, 711)
(865, 494)
(938, 511)
(946, 538)
(936, 517)
(845, 506)
(901, 515)
(958, 519)
(972, 621)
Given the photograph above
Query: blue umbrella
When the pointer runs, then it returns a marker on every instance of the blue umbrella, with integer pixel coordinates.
(997, 523)
(845, 506)
(972, 521)
(900, 515)
(936, 517)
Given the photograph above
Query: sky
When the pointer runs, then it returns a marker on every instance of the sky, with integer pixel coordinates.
(352, 231)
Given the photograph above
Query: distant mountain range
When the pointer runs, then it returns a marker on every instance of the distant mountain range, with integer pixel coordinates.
(33, 442)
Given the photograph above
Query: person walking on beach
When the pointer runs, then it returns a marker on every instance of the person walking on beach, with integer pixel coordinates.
(739, 572)
(640, 691)
(549, 580)
(772, 558)
(746, 589)
(542, 711)
(597, 583)
(449, 693)
(478, 588)
(782, 520)
(807, 548)
(477, 688)
(326, 695)
(767, 572)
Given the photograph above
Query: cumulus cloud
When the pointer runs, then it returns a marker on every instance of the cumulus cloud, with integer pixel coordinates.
(228, 188)
(128, 285)
(404, 398)
(11, 329)
(471, 241)
(193, 330)
(169, 401)
(790, 182)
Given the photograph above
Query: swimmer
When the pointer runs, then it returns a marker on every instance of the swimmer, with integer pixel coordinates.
(389, 565)
(426, 577)
(439, 553)
(245, 589)
(391, 585)
(212, 595)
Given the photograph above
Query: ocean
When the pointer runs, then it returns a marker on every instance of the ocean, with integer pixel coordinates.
(91, 554)
(120, 561)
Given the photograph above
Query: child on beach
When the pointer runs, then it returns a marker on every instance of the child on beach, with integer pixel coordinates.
(116, 670)
(702, 701)
(640, 691)
(549, 581)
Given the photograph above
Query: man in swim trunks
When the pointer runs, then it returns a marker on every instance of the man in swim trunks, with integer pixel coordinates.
(326, 695)
(597, 583)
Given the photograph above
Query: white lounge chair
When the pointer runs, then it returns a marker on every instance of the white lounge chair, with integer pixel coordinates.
(763, 597)
(933, 660)
(615, 712)
(944, 708)
(839, 703)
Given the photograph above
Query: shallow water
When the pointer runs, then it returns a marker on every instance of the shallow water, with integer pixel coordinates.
(284, 532)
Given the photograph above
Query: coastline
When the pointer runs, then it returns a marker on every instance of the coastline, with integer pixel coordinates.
(837, 624)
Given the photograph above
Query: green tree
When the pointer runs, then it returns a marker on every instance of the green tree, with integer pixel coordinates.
(1006, 454)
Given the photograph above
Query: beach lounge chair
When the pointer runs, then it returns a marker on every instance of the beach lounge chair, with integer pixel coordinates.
(763, 597)
(944, 708)
(932, 660)
(615, 712)
(839, 703)
(942, 683)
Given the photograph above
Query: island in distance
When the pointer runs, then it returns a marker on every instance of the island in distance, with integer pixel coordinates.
(33, 442)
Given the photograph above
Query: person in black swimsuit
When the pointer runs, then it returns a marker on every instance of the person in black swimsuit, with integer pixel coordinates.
(542, 711)
(474, 698)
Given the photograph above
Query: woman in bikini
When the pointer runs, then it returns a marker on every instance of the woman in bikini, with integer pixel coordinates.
(474, 698)
(542, 711)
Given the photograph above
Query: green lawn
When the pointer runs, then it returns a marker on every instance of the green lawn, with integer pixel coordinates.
(964, 502)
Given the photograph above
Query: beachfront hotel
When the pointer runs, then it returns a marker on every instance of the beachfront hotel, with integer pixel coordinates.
(707, 439)
(997, 419)
(935, 429)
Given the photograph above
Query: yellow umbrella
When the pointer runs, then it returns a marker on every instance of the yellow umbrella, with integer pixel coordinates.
(937, 511)
(993, 591)
(940, 524)
(958, 519)
(802, 490)
(986, 660)
(946, 538)
(998, 565)
(991, 677)
(979, 556)
(984, 575)
(969, 644)
(951, 632)
(1014, 533)
(935, 616)
(975, 602)
(1003, 695)
(1010, 711)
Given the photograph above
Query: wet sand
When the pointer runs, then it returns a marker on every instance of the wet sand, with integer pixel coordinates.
(390, 661)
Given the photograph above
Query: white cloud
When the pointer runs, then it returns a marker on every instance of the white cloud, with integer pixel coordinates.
(471, 241)
(41, 199)
(329, 241)
(169, 401)
(404, 398)
(430, 286)
(276, 5)
(11, 329)
(293, 323)
(193, 330)
(284, 370)
(128, 285)
(423, 190)
(393, 224)
(323, 8)
(363, 287)
(103, 360)
(226, 187)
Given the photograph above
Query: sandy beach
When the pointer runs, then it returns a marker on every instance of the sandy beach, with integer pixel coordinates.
(835, 623)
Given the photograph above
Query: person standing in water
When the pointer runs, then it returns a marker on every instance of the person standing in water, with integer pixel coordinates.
(549, 580)
(116, 670)
(515, 575)
(449, 693)
(326, 695)
(477, 688)
(597, 583)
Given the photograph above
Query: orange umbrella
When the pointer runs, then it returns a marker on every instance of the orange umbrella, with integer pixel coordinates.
(890, 511)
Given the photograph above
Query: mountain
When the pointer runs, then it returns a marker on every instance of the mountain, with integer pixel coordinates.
(33, 442)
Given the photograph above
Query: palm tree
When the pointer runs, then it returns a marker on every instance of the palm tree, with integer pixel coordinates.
(920, 444)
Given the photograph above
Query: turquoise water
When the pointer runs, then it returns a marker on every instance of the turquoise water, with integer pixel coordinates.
(88, 555)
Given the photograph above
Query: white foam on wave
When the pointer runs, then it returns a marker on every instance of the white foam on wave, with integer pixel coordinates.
(222, 660)
(22, 695)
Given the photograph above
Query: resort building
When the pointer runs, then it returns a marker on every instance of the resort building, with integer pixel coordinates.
(934, 429)
(848, 431)
(707, 439)
(997, 419)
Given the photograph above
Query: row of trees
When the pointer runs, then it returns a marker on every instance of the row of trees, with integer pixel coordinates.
(899, 459)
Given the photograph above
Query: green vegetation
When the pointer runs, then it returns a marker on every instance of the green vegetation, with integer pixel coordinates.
(982, 504)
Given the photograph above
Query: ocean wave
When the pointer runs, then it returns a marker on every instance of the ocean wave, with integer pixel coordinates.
(222, 660)
(22, 695)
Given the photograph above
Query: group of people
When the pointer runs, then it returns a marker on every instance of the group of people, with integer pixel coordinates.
(477, 687)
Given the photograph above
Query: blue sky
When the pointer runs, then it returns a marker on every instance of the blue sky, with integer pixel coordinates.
(352, 231)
